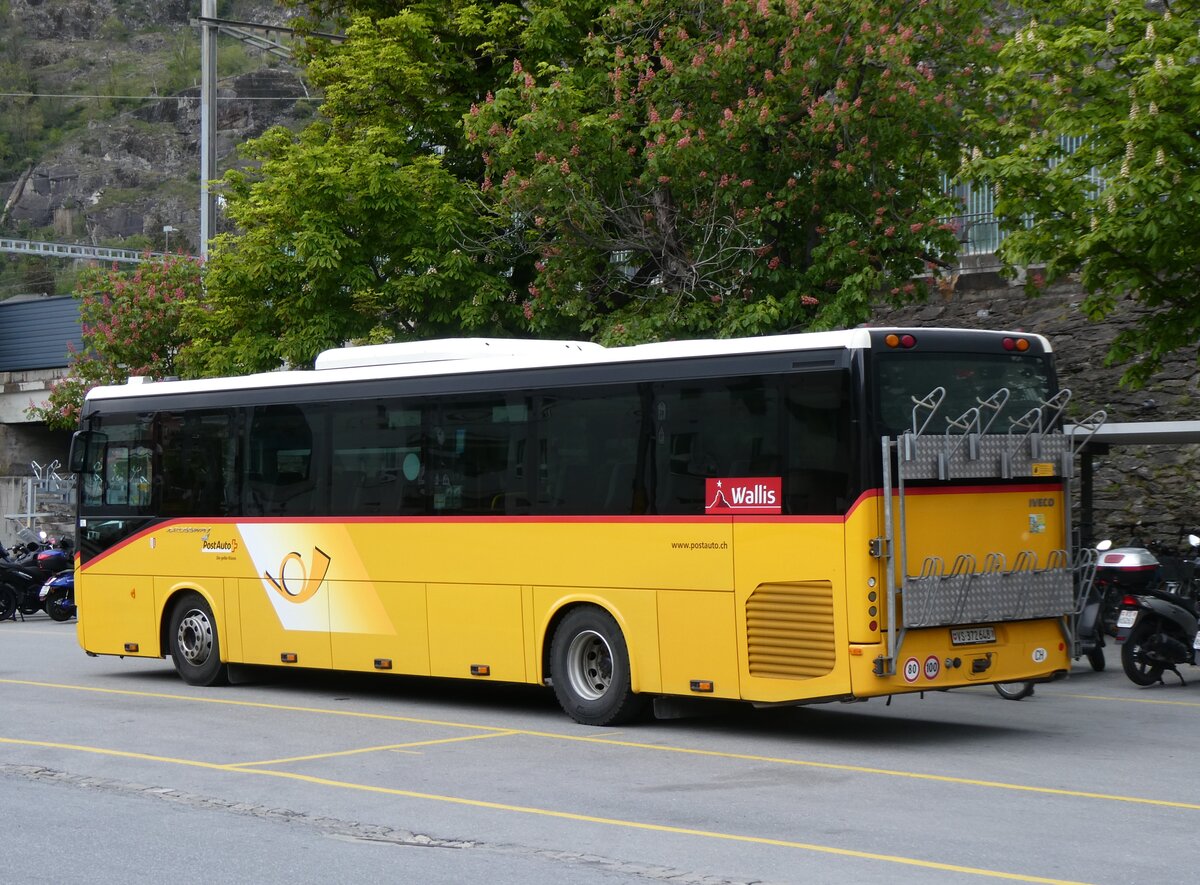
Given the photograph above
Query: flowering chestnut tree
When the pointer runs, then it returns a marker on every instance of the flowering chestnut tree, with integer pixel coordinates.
(734, 167)
(131, 326)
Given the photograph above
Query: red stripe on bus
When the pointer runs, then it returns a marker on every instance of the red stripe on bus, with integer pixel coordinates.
(633, 519)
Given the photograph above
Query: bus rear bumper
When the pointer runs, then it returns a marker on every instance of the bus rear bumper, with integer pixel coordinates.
(930, 659)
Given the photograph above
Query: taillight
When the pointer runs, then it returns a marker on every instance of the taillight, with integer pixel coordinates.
(1018, 344)
(905, 341)
(1129, 602)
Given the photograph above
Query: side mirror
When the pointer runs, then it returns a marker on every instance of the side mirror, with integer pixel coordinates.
(1106, 544)
(81, 441)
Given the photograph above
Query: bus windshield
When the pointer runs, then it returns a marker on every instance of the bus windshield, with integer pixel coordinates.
(902, 378)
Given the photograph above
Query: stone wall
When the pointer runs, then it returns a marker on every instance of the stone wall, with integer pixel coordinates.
(1139, 491)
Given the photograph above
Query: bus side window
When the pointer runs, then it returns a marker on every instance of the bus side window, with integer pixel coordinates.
(199, 456)
(280, 478)
(476, 455)
(821, 451)
(376, 457)
(587, 452)
(710, 428)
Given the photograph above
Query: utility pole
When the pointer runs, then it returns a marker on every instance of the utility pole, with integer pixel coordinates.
(208, 120)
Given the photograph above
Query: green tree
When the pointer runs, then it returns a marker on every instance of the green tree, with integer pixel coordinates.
(1119, 79)
(735, 167)
(367, 225)
(131, 326)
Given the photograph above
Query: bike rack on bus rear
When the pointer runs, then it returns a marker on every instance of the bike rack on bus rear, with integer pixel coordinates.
(1034, 445)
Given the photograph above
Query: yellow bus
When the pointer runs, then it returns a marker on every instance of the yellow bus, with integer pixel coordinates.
(781, 520)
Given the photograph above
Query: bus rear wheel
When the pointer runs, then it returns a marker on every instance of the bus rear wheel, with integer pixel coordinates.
(193, 641)
(589, 666)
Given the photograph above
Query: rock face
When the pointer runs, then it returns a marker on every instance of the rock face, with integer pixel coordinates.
(51, 20)
(1146, 492)
(140, 172)
(134, 168)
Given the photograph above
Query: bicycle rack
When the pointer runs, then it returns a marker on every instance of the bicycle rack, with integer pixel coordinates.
(969, 449)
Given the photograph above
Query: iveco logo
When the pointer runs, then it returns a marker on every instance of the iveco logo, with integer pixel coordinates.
(1041, 502)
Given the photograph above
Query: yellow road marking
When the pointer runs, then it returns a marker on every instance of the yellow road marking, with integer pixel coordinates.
(354, 714)
(608, 741)
(562, 815)
(408, 746)
(1099, 697)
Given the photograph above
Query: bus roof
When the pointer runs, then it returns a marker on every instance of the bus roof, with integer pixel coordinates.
(463, 356)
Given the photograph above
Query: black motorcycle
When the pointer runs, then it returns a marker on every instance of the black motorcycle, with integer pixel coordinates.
(25, 568)
(1157, 629)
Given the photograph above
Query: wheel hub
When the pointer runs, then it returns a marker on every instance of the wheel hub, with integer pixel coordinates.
(195, 637)
(590, 665)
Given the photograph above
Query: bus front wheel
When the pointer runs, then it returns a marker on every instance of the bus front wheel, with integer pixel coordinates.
(193, 641)
(589, 666)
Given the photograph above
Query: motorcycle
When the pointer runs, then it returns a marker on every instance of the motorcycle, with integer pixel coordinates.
(25, 568)
(1157, 629)
(58, 596)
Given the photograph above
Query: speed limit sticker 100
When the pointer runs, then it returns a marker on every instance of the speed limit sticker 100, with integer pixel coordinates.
(933, 666)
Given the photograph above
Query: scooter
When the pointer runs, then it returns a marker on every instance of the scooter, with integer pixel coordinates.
(1157, 630)
(58, 596)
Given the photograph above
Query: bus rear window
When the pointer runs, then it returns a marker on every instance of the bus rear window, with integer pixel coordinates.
(967, 378)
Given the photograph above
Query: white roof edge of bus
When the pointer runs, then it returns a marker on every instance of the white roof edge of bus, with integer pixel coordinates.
(442, 349)
(557, 354)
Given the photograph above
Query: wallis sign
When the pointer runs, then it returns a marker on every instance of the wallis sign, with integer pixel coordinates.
(743, 494)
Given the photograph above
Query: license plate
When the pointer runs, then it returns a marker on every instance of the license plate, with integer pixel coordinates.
(1196, 641)
(1127, 617)
(973, 635)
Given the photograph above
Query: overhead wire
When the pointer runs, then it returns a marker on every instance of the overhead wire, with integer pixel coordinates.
(159, 97)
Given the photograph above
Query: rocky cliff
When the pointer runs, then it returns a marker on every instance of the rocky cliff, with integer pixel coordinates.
(127, 162)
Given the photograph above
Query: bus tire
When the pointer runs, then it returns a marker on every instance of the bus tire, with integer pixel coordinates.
(194, 643)
(589, 666)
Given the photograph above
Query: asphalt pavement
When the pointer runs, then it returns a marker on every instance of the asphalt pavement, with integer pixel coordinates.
(115, 769)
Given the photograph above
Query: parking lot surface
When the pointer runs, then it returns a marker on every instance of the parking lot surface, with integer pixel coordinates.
(115, 768)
